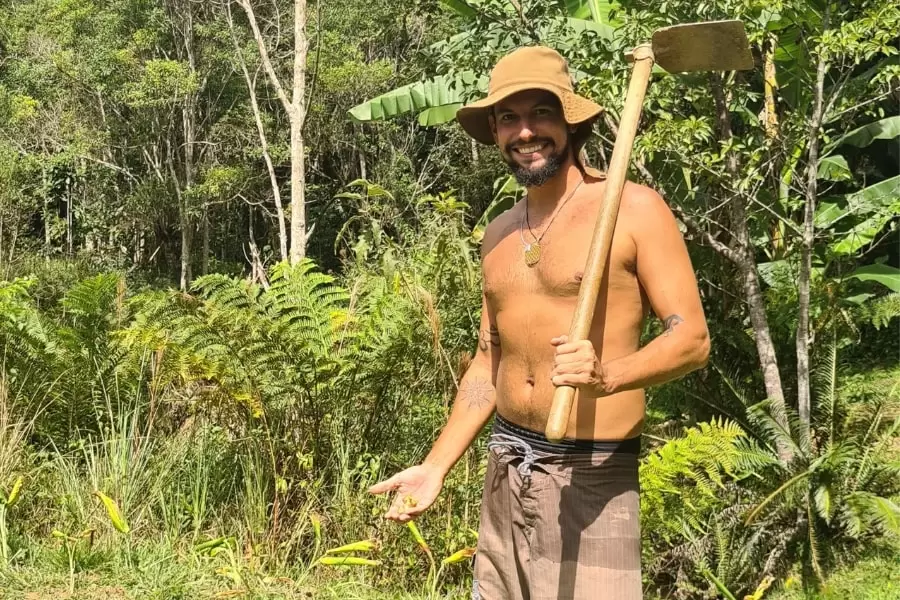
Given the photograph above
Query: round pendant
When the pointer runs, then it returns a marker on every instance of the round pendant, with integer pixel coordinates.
(532, 254)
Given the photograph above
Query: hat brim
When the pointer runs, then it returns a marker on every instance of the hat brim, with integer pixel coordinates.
(474, 117)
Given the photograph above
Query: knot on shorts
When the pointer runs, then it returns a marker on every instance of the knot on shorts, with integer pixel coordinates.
(502, 440)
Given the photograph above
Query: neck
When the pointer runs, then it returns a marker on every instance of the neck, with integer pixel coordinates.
(545, 198)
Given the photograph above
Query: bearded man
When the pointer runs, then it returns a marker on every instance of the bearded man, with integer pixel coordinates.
(560, 520)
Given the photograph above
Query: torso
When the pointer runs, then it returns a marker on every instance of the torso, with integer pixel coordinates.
(532, 305)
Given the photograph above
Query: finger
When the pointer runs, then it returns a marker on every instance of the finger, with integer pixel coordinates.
(572, 368)
(559, 340)
(562, 359)
(569, 379)
(569, 348)
(386, 486)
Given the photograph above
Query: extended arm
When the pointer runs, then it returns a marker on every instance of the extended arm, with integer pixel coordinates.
(474, 401)
(418, 486)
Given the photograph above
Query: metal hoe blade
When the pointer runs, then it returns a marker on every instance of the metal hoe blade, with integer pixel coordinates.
(710, 46)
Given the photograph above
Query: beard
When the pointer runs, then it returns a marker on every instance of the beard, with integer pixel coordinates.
(528, 177)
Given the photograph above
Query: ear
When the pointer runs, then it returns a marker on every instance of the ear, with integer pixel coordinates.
(493, 124)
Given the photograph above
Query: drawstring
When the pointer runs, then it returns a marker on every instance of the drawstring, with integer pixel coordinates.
(502, 440)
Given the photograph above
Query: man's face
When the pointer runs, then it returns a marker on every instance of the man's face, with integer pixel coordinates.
(531, 133)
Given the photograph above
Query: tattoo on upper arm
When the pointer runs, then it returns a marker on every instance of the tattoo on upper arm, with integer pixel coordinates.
(670, 322)
(477, 392)
(489, 338)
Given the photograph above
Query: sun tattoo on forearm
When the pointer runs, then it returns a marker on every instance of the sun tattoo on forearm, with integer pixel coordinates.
(670, 322)
(477, 392)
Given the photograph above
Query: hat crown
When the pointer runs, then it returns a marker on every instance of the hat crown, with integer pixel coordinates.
(537, 64)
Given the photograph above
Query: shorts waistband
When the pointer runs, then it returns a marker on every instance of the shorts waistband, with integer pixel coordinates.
(539, 442)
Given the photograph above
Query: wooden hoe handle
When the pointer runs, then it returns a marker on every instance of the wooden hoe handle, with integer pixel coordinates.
(564, 396)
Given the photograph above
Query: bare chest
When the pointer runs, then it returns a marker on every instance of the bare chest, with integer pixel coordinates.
(559, 271)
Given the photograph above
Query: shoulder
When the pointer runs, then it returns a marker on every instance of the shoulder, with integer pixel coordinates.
(645, 211)
(500, 227)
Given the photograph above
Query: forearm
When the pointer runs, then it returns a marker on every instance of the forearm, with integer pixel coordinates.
(675, 353)
(474, 405)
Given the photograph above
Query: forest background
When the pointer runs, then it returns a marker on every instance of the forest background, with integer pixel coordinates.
(240, 281)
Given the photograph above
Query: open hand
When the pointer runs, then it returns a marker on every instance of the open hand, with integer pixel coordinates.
(416, 487)
(576, 364)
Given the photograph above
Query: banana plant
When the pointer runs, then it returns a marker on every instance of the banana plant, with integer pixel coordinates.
(437, 99)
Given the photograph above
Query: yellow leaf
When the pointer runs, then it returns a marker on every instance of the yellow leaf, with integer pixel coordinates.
(348, 560)
(361, 546)
(14, 493)
(459, 556)
(112, 509)
(417, 535)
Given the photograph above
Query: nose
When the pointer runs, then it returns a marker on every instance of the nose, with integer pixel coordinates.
(526, 132)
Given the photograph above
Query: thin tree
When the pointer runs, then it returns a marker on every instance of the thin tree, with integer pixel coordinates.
(295, 107)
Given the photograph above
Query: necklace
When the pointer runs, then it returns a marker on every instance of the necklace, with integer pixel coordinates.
(532, 251)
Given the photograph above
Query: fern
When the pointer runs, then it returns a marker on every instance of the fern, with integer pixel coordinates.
(880, 311)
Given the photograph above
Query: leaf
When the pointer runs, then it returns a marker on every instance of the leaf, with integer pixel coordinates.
(876, 198)
(14, 492)
(822, 498)
(459, 556)
(597, 10)
(360, 546)
(439, 92)
(112, 509)
(862, 234)
(834, 168)
(438, 115)
(338, 561)
(884, 274)
(460, 7)
(504, 199)
(417, 535)
(885, 129)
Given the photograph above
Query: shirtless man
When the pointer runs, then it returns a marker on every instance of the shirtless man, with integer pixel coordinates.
(560, 520)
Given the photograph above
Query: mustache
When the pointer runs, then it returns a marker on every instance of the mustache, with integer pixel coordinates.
(510, 146)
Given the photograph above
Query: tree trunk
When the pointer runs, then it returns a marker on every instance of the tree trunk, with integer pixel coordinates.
(186, 275)
(770, 84)
(806, 248)
(188, 114)
(765, 347)
(298, 180)
(263, 143)
(204, 236)
(296, 111)
(360, 152)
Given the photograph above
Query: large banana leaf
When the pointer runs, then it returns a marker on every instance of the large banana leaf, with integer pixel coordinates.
(834, 168)
(876, 198)
(885, 129)
(884, 274)
(596, 10)
(505, 196)
(436, 101)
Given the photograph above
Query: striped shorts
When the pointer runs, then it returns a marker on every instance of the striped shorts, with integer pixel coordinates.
(558, 521)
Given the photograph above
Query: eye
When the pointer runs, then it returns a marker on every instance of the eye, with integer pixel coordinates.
(543, 111)
(507, 117)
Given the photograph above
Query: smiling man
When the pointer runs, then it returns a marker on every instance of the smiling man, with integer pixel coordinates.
(560, 520)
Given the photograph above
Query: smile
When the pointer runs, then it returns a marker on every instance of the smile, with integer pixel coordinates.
(530, 149)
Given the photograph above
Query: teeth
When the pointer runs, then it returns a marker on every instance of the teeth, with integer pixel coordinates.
(530, 149)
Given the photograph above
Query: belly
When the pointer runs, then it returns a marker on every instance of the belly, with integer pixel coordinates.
(524, 390)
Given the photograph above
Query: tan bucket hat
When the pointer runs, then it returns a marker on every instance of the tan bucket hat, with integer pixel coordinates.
(528, 68)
